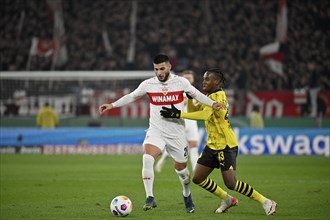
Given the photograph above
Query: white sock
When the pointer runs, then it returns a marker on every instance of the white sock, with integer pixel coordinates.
(161, 161)
(148, 174)
(185, 180)
(193, 157)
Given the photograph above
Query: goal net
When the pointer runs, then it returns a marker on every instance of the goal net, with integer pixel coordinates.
(71, 93)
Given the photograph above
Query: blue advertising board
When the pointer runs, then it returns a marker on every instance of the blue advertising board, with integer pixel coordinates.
(269, 141)
(283, 141)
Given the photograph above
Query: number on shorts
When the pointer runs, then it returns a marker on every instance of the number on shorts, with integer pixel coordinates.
(185, 152)
(221, 156)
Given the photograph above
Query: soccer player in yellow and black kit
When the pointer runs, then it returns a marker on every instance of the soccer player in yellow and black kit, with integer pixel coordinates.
(221, 149)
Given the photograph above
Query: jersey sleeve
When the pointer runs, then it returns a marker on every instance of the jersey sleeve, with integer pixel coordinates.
(203, 112)
(191, 107)
(197, 111)
(131, 97)
(220, 97)
(196, 94)
(198, 115)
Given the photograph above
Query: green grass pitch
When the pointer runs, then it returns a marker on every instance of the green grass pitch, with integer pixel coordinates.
(82, 186)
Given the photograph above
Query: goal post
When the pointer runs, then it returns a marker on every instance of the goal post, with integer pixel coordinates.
(71, 93)
(76, 75)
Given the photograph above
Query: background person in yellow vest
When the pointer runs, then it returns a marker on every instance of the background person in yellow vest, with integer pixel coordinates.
(256, 119)
(47, 117)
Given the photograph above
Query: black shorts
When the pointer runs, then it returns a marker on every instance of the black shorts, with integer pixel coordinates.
(224, 159)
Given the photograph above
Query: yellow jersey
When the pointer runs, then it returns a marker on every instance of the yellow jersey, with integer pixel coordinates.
(47, 118)
(256, 120)
(217, 125)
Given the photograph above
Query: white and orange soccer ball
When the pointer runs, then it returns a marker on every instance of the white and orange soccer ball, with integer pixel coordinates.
(121, 206)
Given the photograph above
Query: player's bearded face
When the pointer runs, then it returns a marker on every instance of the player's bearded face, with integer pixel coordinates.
(162, 71)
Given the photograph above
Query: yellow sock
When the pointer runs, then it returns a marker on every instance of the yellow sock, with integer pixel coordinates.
(213, 188)
(247, 190)
(258, 197)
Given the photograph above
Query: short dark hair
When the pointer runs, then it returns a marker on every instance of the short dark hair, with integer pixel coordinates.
(218, 73)
(161, 58)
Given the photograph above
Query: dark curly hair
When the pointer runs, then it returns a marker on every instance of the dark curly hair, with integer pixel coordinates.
(218, 74)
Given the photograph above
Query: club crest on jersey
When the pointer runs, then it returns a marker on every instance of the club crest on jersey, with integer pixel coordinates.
(164, 90)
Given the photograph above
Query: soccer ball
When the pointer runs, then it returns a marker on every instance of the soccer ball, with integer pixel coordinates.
(121, 206)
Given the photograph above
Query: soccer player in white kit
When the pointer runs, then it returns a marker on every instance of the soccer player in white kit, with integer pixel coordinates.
(192, 135)
(163, 90)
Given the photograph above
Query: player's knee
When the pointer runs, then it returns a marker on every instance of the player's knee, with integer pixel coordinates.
(196, 180)
(230, 184)
(180, 166)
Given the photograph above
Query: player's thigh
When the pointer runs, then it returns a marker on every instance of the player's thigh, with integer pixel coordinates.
(209, 158)
(152, 142)
(227, 158)
(177, 149)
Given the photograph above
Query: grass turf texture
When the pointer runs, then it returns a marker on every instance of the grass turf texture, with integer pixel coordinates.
(82, 186)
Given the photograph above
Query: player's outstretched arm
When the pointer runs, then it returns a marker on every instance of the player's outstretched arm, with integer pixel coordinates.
(173, 112)
(105, 107)
(126, 99)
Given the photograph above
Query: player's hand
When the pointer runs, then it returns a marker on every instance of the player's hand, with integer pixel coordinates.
(217, 106)
(172, 112)
(105, 107)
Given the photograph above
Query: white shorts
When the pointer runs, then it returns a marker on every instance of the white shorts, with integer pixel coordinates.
(177, 148)
(191, 129)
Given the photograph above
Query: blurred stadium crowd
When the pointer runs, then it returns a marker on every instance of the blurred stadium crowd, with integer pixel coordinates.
(196, 35)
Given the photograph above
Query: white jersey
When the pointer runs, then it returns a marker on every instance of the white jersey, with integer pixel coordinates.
(191, 126)
(164, 94)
